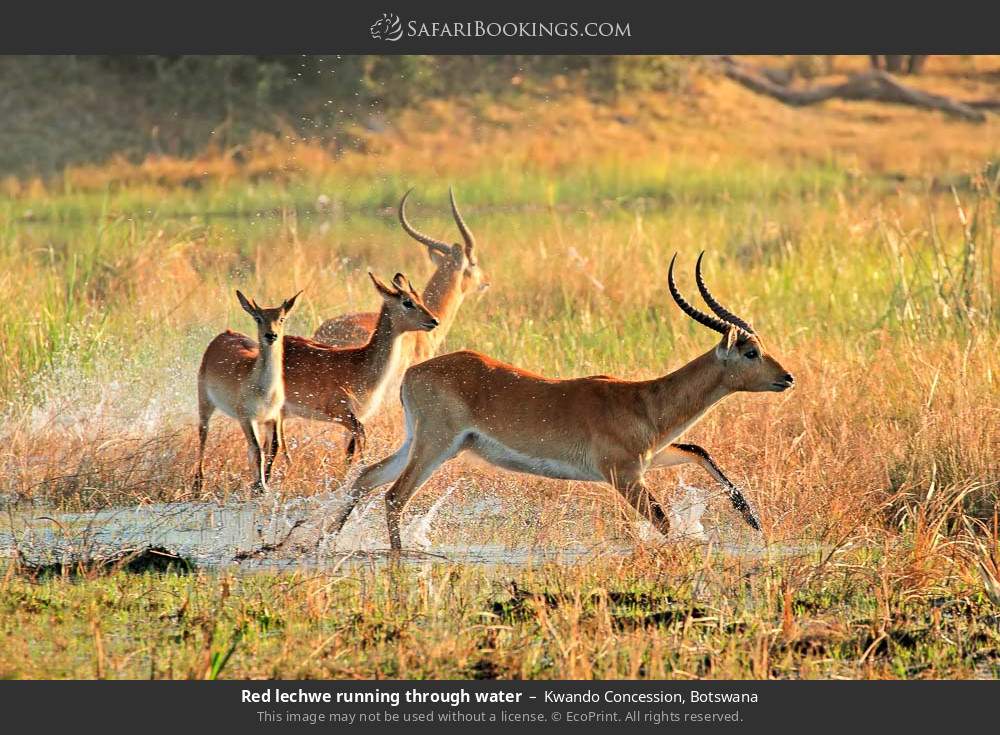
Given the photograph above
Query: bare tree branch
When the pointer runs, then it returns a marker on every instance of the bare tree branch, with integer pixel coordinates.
(874, 85)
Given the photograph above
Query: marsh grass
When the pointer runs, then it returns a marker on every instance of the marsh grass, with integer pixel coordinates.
(878, 292)
(680, 612)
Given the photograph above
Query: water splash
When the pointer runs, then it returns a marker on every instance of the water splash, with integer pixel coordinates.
(79, 400)
(685, 512)
(415, 534)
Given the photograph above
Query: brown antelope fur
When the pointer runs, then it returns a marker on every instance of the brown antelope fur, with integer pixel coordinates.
(243, 379)
(347, 384)
(598, 428)
(457, 274)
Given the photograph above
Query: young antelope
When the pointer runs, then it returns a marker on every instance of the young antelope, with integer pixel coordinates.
(244, 380)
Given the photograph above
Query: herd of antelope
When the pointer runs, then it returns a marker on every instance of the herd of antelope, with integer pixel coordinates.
(596, 428)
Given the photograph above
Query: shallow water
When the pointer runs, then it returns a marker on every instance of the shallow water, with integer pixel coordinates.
(213, 535)
(271, 533)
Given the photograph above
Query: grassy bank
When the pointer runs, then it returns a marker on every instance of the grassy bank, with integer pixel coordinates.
(675, 613)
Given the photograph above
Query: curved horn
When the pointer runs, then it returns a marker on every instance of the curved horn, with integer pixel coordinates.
(715, 305)
(470, 241)
(699, 316)
(437, 245)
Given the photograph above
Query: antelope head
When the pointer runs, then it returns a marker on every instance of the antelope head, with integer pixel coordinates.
(457, 258)
(407, 309)
(746, 365)
(270, 322)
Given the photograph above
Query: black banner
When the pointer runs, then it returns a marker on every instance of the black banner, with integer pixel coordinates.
(447, 26)
(592, 706)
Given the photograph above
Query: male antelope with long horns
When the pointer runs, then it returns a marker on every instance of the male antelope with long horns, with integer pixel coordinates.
(598, 428)
(457, 274)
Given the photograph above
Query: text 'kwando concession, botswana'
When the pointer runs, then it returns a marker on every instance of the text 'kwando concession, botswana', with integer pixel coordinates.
(694, 697)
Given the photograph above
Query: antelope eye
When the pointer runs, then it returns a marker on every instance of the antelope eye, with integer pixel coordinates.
(752, 355)
(258, 320)
(407, 303)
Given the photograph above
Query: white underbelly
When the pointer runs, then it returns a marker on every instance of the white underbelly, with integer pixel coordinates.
(222, 403)
(497, 453)
(304, 412)
(264, 412)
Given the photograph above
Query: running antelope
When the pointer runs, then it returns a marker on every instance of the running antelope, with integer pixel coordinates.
(243, 379)
(347, 384)
(598, 428)
(457, 275)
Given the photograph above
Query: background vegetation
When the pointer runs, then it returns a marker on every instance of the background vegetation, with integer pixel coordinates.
(73, 109)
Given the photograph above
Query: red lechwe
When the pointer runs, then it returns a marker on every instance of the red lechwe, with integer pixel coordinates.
(244, 380)
(597, 428)
(457, 274)
(348, 384)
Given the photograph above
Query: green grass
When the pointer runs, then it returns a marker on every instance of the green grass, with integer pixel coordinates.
(76, 289)
(511, 183)
(682, 615)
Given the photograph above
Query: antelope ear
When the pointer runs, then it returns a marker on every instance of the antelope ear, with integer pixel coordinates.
(404, 285)
(247, 306)
(289, 303)
(383, 288)
(728, 343)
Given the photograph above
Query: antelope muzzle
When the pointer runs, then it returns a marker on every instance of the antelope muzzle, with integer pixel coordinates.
(784, 383)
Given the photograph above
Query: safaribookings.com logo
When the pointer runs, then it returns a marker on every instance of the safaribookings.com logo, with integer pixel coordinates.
(387, 28)
(390, 28)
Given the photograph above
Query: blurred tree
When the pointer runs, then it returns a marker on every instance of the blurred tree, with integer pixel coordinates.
(898, 63)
